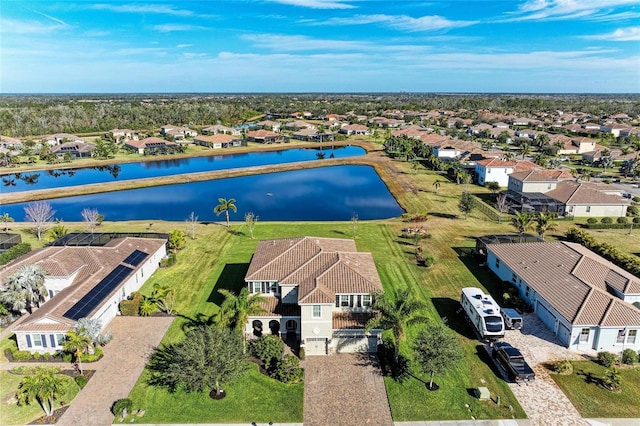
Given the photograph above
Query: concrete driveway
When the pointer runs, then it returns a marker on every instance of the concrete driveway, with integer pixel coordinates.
(134, 339)
(344, 390)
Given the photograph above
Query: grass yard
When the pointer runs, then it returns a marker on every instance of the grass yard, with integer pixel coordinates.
(12, 414)
(592, 400)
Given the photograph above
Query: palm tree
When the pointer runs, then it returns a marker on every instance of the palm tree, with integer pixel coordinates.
(524, 149)
(224, 207)
(437, 184)
(24, 288)
(396, 315)
(544, 223)
(77, 343)
(522, 222)
(5, 218)
(235, 310)
(45, 386)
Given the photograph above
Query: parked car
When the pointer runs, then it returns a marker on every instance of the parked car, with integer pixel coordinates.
(512, 319)
(513, 362)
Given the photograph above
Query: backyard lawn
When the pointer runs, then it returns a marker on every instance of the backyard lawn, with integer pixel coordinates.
(592, 400)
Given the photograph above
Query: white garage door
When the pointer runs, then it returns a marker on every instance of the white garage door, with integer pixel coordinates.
(547, 317)
(315, 346)
(354, 344)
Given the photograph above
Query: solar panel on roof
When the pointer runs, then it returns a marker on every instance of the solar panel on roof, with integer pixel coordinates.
(97, 294)
(136, 258)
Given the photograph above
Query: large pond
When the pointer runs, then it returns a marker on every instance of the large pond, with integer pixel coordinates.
(325, 193)
(25, 181)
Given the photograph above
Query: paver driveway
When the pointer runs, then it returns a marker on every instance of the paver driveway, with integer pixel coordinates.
(344, 390)
(124, 359)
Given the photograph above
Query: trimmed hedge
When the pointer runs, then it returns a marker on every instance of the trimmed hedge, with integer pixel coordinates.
(607, 225)
(14, 252)
(131, 306)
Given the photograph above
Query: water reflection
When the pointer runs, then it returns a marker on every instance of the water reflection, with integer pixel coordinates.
(324, 193)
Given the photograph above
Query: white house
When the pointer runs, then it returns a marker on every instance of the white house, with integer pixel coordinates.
(84, 282)
(498, 170)
(318, 290)
(584, 199)
(588, 302)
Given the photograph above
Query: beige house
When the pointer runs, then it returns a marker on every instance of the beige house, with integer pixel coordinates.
(582, 199)
(318, 290)
(219, 140)
(83, 282)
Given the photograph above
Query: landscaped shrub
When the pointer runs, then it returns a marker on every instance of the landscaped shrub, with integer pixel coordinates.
(633, 211)
(606, 220)
(81, 381)
(301, 354)
(121, 407)
(636, 220)
(607, 359)
(287, 369)
(267, 348)
(36, 356)
(563, 368)
(629, 356)
(131, 306)
(14, 252)
(635, 199)
(428, 260)
(95, 356)
(46, 356)
(168, 261)
(21, 355)
(592, 220)
(621, 220)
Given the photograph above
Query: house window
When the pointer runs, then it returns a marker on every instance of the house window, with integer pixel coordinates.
(631, 336)
(621, 335)
(588, 209)
(257, 287)
(570, 210)
(60, 339)
(584, 335)
(344, 300)
(316, 311)
(526, 292)
(366, 300)
(497, 263)
(37, 340)
(514, 278)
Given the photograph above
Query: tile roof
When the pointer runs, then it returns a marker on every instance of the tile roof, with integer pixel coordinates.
(321, 267)
(352, 320)
(573, 280)
(91, 264)
(217, 138)
(572, 193)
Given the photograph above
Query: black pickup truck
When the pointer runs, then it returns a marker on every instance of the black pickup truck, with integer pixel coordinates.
(512, 360)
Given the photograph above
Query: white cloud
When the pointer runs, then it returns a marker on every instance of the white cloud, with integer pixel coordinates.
(182, 46)
(621, 34)
(316, 4)
(168, 28)
(12, 26)
(400, 22)
(291, 43)
(547, 10)
(160, 9)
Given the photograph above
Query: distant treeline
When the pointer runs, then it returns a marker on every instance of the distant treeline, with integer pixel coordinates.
(32, 115)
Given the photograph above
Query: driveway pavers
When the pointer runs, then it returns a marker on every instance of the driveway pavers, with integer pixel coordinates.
(344, 390)
(134, 339)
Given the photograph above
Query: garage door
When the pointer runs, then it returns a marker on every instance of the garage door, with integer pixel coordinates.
(354, 344)
(546, 316)
(315, 346)
(564, 334)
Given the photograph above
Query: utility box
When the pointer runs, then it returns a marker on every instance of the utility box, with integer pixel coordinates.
(483, 394)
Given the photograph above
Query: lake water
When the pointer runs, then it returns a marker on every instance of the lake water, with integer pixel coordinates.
(325, 193)
(26, 181)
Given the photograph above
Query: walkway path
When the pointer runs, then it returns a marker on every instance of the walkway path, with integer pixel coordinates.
(134, 339)
(344, 390)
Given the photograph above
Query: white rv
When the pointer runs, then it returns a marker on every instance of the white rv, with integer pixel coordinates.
(483, 312)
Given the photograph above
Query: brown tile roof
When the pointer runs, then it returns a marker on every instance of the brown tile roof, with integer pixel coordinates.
(93, 264)
(542, 175)
(496, 162)
(572, 193)
(144, 142)
(525, 165)
(565, 275)
(261, 134)
(321, 267)
(217, 138)
(352, 320)
(274, 307)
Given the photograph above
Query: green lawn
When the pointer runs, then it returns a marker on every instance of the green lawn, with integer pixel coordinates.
(12, 414)
(592, 400)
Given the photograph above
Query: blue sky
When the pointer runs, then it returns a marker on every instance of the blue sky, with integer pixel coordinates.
(537, 46)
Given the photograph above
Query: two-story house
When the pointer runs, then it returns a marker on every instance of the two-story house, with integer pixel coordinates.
(318, 290)
(498, 170)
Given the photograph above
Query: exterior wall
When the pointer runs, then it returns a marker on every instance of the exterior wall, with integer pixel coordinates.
(493, 174)
(58, 338)
(538, 186)
(316, 327)
(597, 210)
(56, 284)
(631, 298)
(446, 153)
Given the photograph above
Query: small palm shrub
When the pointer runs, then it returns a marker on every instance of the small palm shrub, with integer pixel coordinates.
(36, 356)
(121, 407)
(629, 356)
(607, 359)
(621, 220)
(81, 381)
(606, 220)
(592, 220)
(613, 379)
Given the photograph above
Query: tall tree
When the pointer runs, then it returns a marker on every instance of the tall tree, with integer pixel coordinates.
(396, 315)
(466, 203)
(92, 328)
(192, 224)
(522, 222)
(437, 184)
(77, 343)
(236, 309)
(251, 220)
(165, 298)
(44, 386)
(224, 206)
(544, 223)
(204, 360)
(524, 149)
(435, 349)
(40, 213)
(91, 218)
